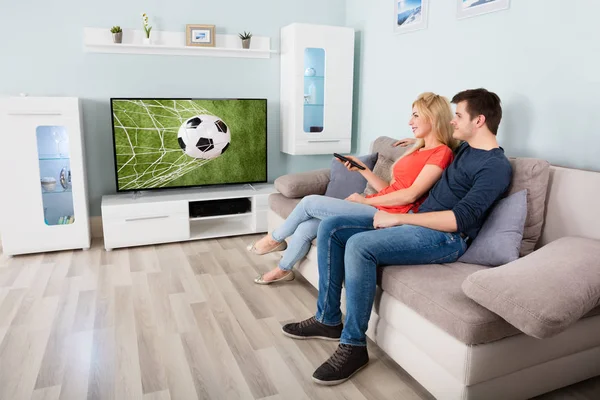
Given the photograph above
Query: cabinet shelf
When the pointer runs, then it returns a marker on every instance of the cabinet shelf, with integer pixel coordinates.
(99, 40)
(51, 158)
(57, 191)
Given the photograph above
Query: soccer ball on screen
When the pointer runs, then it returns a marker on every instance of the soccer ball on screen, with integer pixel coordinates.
(204, 136)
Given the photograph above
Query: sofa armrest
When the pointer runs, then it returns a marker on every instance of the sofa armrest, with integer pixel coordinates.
(543, 293)
(303, 183)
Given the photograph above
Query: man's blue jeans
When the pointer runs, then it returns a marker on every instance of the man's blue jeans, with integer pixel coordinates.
(349, 250)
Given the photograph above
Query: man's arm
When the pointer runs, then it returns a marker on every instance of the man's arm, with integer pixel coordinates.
(444, 221)
(490, 183)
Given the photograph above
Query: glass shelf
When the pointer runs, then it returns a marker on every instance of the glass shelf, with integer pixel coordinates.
(57, 191)
(314, 77)
(49, 158)
(313, 105)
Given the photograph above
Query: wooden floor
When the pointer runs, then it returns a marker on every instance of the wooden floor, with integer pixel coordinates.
(178, 321)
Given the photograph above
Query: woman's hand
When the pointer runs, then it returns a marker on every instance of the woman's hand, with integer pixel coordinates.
(350, 167)
(384, 219)
(356, 198)
(404, 142)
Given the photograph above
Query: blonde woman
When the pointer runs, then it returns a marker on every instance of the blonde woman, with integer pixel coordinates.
(413, 175)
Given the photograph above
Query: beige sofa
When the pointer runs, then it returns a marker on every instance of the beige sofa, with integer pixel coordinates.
(455, 347)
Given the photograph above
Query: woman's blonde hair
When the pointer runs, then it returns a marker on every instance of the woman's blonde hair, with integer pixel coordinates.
(437, 111)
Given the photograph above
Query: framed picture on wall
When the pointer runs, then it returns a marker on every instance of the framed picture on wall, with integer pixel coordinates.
(410, 15)
(471, 8)
(200, 35)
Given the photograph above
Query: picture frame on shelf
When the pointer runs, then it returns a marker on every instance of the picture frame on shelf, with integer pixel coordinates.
(410, 15)
(200, 35)
(472, 8)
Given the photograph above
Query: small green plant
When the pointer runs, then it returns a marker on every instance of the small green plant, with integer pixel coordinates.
(245, 35)
(116, 29)
(147, 28)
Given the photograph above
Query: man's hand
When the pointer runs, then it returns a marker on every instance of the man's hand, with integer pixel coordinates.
(356, 198)
(404, 142)
(384, 219)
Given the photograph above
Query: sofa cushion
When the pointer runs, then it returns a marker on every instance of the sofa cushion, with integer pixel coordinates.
(303, 183)
(282, 205)
(383, 169)
(434, 291)
(342, 183)
(545, 292)
(531, 174)
(388, 154)
(383, 146)
(499, 239)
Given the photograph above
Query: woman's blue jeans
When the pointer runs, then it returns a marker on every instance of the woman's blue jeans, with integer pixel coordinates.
(349, 250)
(302, 224)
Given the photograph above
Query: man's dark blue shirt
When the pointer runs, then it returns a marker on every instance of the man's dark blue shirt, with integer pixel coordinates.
(470, 186)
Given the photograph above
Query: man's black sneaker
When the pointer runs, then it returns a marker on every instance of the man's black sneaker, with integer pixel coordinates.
(345, 362)
(312, 329)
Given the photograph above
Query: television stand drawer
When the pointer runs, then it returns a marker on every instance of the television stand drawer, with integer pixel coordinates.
(141, 211)
(142, 230)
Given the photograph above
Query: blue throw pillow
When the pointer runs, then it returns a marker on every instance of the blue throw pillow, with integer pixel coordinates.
(342, 183)
(499, 240)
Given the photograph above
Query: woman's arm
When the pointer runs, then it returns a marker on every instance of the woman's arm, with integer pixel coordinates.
(373, 179)
(428, 176)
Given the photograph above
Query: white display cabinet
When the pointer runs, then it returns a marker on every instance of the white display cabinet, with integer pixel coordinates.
(317, 77)
(44, 205)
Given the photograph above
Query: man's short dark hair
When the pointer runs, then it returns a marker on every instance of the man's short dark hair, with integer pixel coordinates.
(482, 102)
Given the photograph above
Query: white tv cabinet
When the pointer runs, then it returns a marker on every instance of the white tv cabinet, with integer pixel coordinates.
(134, 219)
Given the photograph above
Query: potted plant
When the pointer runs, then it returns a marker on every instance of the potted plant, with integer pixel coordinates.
(246, 37)
(117, 34)
(147, 29)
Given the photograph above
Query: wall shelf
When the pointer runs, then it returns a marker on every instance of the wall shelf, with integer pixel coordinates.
(99, 40)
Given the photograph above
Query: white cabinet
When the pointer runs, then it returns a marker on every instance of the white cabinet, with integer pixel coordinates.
(317, 74)
(188, 214)
(44, 205)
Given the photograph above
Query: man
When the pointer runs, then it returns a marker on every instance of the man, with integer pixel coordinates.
(350, 248)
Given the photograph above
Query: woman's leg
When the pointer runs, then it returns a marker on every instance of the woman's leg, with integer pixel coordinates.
(319, 207)
(299, 244)
(306, 231)
(313, 206)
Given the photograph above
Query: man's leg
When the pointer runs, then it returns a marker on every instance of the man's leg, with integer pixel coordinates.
(328, 321)
(400, 245)
(364, 251)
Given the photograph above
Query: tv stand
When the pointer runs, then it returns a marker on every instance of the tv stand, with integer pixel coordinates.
(180, 215)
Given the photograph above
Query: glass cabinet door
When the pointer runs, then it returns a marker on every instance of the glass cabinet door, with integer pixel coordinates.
(314, 89)
(55, 174)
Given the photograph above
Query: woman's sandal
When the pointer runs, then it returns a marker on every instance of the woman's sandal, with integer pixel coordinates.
(280, 247)
(286, 278)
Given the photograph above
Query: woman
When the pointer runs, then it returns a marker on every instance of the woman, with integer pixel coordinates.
(413, 175)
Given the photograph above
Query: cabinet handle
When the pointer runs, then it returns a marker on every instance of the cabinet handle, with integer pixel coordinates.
(145, 218)
(323, 140)
(25, 113)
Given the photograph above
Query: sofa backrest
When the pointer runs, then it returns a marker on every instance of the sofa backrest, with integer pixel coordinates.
(572, 205)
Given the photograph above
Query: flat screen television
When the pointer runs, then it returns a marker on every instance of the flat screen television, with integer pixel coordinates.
(175, 143)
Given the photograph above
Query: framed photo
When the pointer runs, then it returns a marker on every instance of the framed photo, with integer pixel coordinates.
(471, 8)
(200, 35)
(410, 15)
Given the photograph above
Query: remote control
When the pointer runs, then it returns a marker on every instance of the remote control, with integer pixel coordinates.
(354, 164)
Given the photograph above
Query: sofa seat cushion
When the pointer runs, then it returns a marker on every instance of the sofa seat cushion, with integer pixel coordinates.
(434, 291)
(281, 205)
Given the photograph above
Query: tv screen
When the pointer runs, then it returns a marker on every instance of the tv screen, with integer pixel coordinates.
(174, 143)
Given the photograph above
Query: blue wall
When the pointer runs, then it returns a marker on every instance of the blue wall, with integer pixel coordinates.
(41, 54)
(541, 57)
